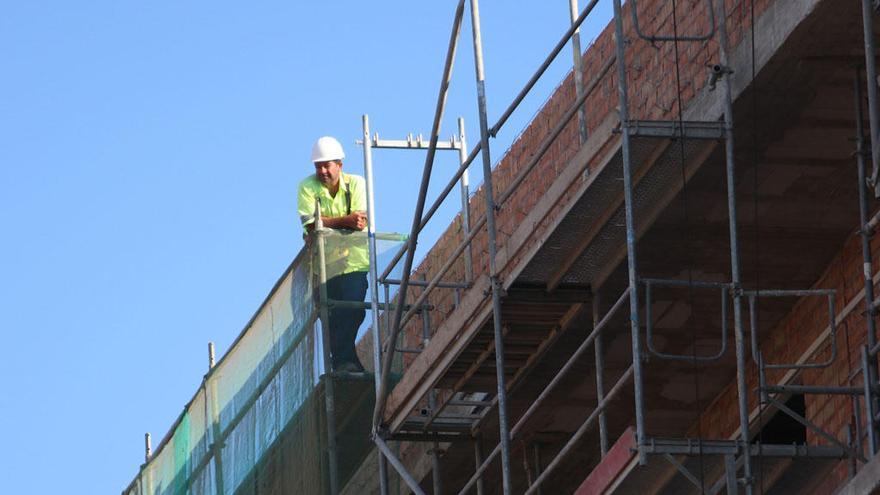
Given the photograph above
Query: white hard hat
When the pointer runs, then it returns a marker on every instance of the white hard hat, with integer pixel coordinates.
(327, 148)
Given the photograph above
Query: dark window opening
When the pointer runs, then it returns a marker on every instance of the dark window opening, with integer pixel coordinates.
(782, 428)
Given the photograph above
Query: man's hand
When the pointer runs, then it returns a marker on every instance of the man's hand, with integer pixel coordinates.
(357, 220)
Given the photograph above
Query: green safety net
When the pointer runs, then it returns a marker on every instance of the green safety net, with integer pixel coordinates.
(258, 423)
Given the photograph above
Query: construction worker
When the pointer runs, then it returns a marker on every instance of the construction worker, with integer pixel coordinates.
(343, 203)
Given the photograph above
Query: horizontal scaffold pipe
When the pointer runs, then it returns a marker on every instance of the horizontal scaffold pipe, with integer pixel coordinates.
(424, 283)
(334, 303)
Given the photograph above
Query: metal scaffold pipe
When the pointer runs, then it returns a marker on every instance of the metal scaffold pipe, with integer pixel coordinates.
(873, 100)
(735, 273)
(382, 395)
(399, 467)
(870, 411)
(503, 427)
(630, 229)
(329, 393)
(374, 285)
(867, 265)
(478, 460)
(217, 443)
(148, 454)
(578, 68)
(600, 375)
(148, 447)
(465, 201)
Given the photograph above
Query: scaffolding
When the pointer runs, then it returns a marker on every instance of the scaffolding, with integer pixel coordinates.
(195, 464)
(737, 454)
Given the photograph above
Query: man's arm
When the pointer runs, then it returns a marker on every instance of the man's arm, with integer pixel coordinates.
(356, 221)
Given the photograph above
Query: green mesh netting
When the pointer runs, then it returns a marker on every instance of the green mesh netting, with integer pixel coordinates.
(258, 424)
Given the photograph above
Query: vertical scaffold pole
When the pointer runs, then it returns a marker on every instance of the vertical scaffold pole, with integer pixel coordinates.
(374, 288)
(217, 444)
(478, 461)
(735, 272)
(600, 374)
(148, 447)
(432, 401)
(574, 11)
(148, 454)
(870, 411)
(503, 427)
(465, 202)
(630, 230)
(867, 262)
(871, 76)
(329, 397)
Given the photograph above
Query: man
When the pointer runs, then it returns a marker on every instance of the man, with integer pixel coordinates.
(343, 201)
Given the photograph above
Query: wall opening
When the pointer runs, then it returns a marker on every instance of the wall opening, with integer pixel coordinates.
(782, 428)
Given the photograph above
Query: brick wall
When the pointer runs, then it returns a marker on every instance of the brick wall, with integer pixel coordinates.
(792, 337)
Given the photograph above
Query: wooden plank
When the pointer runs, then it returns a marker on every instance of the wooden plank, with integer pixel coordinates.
(613, 466)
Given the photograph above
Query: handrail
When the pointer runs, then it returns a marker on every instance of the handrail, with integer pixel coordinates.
(688, 284)
(543, 67)
(655, 38)
(830, 295)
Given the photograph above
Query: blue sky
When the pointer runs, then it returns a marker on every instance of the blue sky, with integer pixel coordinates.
(149, 155)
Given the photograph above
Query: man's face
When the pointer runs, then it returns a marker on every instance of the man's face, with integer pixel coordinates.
(328, 172)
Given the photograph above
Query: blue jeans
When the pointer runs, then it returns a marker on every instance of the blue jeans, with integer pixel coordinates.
(344, 322)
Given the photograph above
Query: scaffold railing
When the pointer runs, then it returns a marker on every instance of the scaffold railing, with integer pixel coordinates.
(738, 453)
(269, 379)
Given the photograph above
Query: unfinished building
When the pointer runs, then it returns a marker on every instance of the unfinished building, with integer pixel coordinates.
(666, 285)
